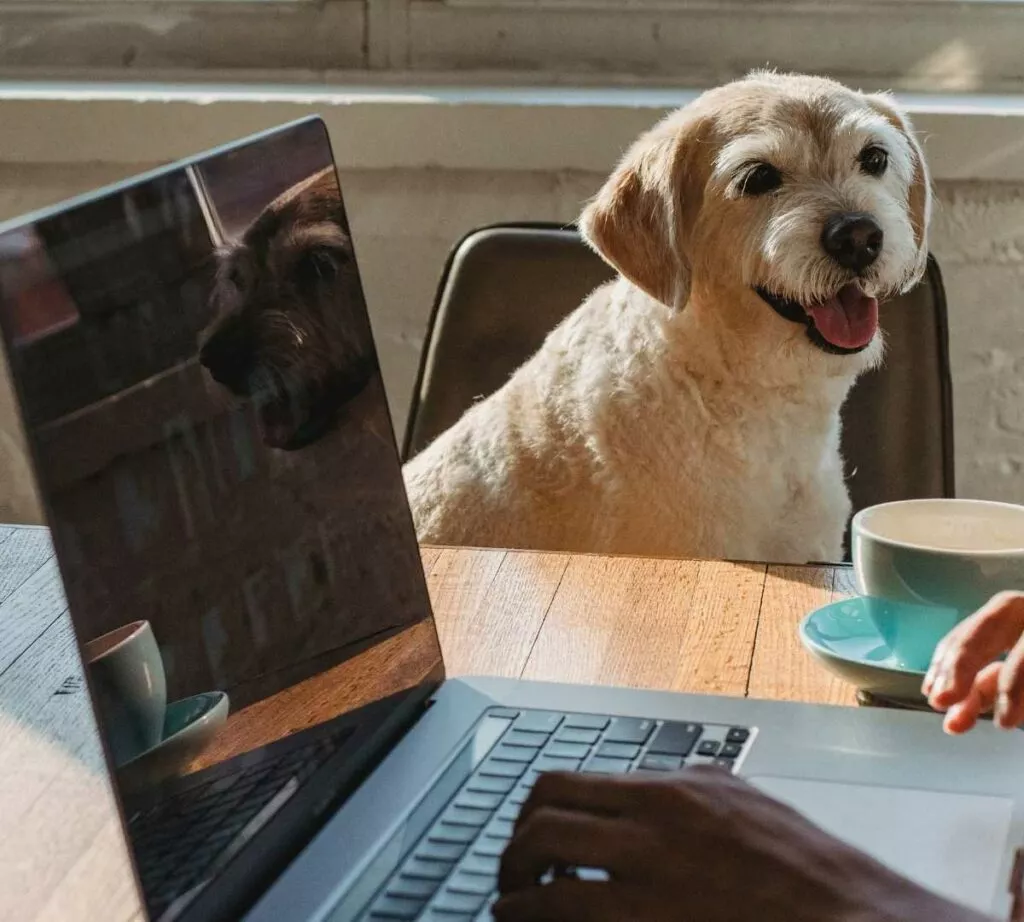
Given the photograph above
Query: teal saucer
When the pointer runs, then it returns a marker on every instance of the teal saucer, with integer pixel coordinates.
(846, 638)
(189, 725)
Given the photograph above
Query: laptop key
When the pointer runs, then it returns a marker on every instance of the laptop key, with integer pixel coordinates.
(433, 914)
(440, 851)
(708, 748)
(455, 835)
(490, 848)
(495, 769)
(658, 763)
(554, 764)
(489, 784)
(676, 739)
(396, 907)
(434, 871)
(522, 738)
(618, 750)
(602, 766)
(472, 884)
(586, 721)
(503, 712)
(731, 750)
(466, 816)
(500, 829)
(415, 888)
(737, 735)
(505, 753)
(458, 902)
(538, 722)
(519, 795)
(568, 750)
(479, 800)
(578, 735)
(629, 730)
(509, 811)
(724, 763)
(483, 865)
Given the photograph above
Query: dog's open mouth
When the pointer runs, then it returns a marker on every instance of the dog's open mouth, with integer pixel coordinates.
(289, 417)
(295, 417)
(286, 426)
(844, 324)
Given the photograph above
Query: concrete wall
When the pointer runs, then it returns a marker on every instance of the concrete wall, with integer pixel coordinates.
(405, 220)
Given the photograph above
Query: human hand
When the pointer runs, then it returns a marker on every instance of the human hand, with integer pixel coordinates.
(699, 845)
(965, 682)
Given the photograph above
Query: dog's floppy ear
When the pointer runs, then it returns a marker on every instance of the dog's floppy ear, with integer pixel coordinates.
(639, 221)
(919, 195)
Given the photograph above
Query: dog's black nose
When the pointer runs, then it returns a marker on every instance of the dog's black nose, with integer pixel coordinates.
(229, 357)
(853, 240)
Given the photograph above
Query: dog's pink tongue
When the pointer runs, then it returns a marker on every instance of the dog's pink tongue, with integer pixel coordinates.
(849, 320)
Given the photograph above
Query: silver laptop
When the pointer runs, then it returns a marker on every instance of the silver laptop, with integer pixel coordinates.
(211, 439)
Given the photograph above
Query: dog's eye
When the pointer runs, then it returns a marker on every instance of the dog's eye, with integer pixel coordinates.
(315, 266)
(873, 160)
(761, 179)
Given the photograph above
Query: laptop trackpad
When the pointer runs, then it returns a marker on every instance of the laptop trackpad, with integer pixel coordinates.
(953, 844)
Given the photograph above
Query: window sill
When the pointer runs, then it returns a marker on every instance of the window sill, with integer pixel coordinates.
(967, 136)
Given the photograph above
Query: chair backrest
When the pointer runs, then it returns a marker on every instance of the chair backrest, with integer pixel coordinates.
(505, 288)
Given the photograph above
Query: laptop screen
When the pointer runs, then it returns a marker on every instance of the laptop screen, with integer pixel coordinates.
(202, 394)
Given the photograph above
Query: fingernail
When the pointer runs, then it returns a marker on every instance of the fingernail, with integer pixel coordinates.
(958, 720)
(1003, 705)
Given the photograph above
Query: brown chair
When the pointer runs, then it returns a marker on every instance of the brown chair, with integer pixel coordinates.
(505, 287)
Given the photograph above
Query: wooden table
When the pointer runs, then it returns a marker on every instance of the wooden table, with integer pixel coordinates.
(683, 625)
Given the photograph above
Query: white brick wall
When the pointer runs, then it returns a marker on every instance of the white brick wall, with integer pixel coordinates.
(978, 238)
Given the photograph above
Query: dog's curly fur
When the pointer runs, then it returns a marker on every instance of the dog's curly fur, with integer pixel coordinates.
(675, 412)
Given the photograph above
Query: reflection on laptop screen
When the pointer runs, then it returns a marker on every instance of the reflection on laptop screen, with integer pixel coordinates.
(203, 397)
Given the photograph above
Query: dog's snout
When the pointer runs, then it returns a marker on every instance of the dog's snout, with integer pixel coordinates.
(854, 240)
(228, 356)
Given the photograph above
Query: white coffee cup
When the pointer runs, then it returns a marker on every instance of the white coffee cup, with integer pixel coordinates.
(126, 673)
(943, 557)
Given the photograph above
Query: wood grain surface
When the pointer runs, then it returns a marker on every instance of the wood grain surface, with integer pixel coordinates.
(695, 626)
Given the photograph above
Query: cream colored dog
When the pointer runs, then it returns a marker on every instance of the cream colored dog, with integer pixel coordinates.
(691, 407)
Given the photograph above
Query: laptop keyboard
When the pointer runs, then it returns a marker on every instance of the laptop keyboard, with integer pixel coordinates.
(451, 873)
(177, 840)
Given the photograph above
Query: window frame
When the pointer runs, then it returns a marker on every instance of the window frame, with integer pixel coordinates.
(915, 45)
(128, 40)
